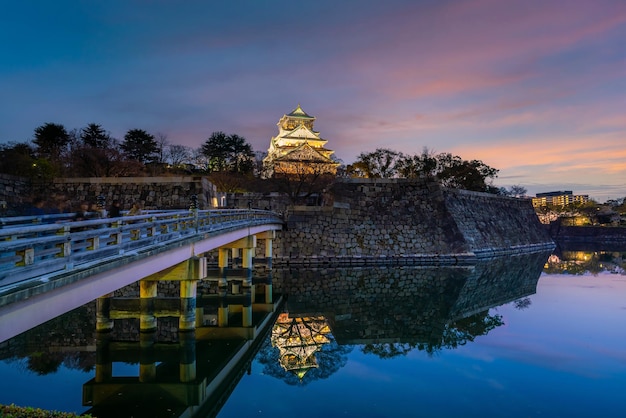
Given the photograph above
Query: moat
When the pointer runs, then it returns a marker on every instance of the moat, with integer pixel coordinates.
(533, 335)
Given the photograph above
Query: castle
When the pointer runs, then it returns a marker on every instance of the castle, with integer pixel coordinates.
(298, 149)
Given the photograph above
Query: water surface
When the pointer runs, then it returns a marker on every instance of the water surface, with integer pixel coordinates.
(516, 337)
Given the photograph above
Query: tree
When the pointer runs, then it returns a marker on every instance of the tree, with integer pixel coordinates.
(301, 181)
(87, 161)
(514, 191)
(51, 140)
(94, 136)
(378, 164)
(141, 146)
(162, 143)
(228, 153)
(16, 158)
(231, 182)
(450, 170)
(419, 165)
(177, 155)
(454, 172)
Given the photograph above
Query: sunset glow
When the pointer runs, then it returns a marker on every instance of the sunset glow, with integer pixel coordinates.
(536, 89)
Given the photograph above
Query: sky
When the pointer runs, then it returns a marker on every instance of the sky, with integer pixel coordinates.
(534, 88)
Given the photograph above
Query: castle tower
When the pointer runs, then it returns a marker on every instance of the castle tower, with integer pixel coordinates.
(298, 147)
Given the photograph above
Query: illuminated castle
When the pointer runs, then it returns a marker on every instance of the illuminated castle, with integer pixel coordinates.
(297, 148)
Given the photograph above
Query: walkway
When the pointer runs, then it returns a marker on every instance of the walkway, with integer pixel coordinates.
(47, 269)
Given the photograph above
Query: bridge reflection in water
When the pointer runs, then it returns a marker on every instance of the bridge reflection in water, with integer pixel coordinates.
(181, 372)
(386, 310)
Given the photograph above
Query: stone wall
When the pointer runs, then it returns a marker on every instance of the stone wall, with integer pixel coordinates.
(493, 224)
(405, 303)
(588, 234)
(15, 194)
(369, 220)
(395, 219)
(151, 192)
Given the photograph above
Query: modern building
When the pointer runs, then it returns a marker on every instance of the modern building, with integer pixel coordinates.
(298, 148)
(558, 198)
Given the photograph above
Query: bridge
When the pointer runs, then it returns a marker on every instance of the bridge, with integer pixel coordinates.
(50, 265)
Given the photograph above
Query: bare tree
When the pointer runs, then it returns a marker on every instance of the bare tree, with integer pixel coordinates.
(177, 155)
(162, 143)
(301, 181)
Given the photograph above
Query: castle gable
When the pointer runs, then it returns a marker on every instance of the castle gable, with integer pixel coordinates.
(305, 153)
(302, 132)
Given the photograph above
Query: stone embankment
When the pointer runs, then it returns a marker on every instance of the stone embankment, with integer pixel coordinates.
(150, 192)
(406, 303)
(175, 192)
(588, 234)
(14, 194)
(401, 221)
(364, 222)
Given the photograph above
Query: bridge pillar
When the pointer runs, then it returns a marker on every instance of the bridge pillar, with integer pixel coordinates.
(104, 364)
(147, 360)
(269, 237)
(246, 309)
(222, 262)
(187, 319)
(197, 270)
(187, 341)
(104, 323)
(247, 265)
(147, 293)
(236, 255)
(269, 296)
(222, 311)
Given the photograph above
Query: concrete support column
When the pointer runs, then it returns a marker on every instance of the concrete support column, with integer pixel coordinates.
(236, 255)
(197, 270)
(187, 319)
(235, 287)
(247, 282)
(104, 364)
(269, 297)
(246, 260)
(268, 251)
(222, 311)
(269, 237)
(199, 317)
(222, 263)
(147, 293)
(187, 341)
(246, 310)
(222, 258)
(104, 323)
(147, 358)
(268, 248)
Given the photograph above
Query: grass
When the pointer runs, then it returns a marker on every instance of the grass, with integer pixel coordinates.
(12, 411)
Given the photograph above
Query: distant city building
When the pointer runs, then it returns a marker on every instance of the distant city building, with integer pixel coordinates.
(558, 198)
(298, 147)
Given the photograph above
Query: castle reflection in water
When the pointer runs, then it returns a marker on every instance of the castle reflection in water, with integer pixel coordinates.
(315, 318)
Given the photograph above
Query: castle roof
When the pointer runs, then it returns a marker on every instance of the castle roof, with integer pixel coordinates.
(302, 132)
(299, 113)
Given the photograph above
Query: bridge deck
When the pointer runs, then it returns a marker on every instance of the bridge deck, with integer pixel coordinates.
(34, 251)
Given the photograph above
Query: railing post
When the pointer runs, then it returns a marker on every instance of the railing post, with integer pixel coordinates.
(152, 228)
(117, 236)
(27, 257)
(65, 247)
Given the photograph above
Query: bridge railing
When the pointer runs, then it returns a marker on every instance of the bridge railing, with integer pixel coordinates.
(30, 249)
